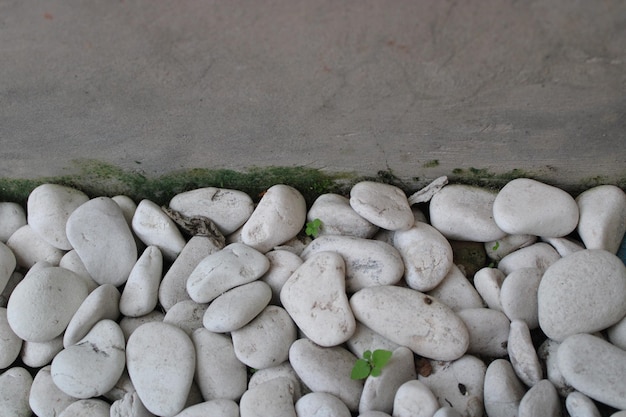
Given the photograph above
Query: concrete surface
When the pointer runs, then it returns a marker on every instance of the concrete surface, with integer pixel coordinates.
(354, 85)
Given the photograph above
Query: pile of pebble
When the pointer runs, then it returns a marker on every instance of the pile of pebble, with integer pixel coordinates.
(215, 306)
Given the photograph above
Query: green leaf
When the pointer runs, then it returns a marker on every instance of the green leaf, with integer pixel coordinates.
(375, 371)
(313, 228)
(361, 369)
(367, 355)
(496, 246)
(380, 357)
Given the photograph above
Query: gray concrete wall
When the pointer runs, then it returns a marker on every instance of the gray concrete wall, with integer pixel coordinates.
(356, 85)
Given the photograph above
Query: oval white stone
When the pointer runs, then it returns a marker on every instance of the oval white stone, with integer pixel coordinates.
(237, 307)
(602, 222)
(72, 261)
(10, 343)
(539, 255)
(321, 404)
(141, 291)
(414, 399)
(365, 338)
(40, 354)
(488, 283)
(219, 407)
(503, 390)
(29, 248)
(13, 217)
(15, 384)
(456, 291)
(92, 408)
(282, 264)
(547, 353)
(541, 399)
(154, 227)
(271, 398)
(523, 355)
(187, 315)
(519, 295)
(46, 399)
(339, 218)
(488, 331)
(381, 204)
(579, 405)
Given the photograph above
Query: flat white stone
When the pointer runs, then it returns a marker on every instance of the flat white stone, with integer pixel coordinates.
(154, 227)
(594, 367)
(227, 209)
(321, 404)
(284, 370)
(72, 261)
(463, 212)
(10, 343)
(456, 291)
(92, 408)
(130, 324)
(92, 366)
(503, 391)
(315, 298)
(141, 292)
(37, 355)
(417, 321)
(265, 341)
(187, 315)
(173, 288)
(237, 307)
(271, 398)
(541, 399)
(427, 256)
(339, 218)
(526, 206)
(96, 228)
(458, 384)
(602, 222)
(488, 284)
(161, 361)
(7, 265)
(278, 217)
(498, 249)
(519, 295)
(523, 355)
(235, 265)
(219, 373)
(414, 399)
(44, 302)
(539, 255)
(365, 338)
(579, 405)
(29, 248)
(101, 304)
(15, 386)
(563, 245)
(46, 399)
(547, 353)
(326, 370)
(282, 264)
(368, 262)
(13, 217)
(219, 407)
(381, 204)
(488, 331)
(48, 208)
(582, 293)
(379, 392)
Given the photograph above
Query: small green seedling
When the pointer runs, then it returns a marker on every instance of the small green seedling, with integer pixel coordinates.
(371, 364)
(496, 246)
(313, 228)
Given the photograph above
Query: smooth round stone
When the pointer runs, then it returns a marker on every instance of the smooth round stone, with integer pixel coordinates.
(503, 391)
(91, 408)
(7, 265)
(339, 218)
(383, 205)
(368, 262)
(379, 392)
(582, 293)
(15, 386)
(29, 248)
(617, 334)
(462, 212)
(321, 404)
(283, 370)
(417, 321)
(130, 324)
(271, 398)
(498, 249)
(36, 355)
(187, 315)
(447, 412)
(427, 256)
(456, 291)
(219, 373)
(10, 343)
(161, 361)
(374, 414)
(49, 206)
(602, 221)
(315, 298)
(594, 367)
(540, 400)
(414, 399)
(227, 209)
(539, 255)
(97, 228)
(365, 338)
(579, 405)
(155, 228)
(458, 384)
(564, 246)
(265, 341)
(13, 217)
(282, 264)
(547, 353)
(488, 331)
(523, 355)
(15, 278)
(46, 399)
(278, 217)
(141, 292)
(235, 265)
(237, 307)
(44, 302)
(128, 207)
(101, 304)
(72, 261)
(173, 288)
(488, 284)
(218, 407)
(326, 370)
(525, 206)
(519, 295)
(92, 366)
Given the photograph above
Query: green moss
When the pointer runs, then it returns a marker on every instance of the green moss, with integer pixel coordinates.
(482, 177)
(431, 164)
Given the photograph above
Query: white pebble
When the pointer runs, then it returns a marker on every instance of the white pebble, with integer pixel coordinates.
(237, 307)
(321, 404)
(12, 217)
(456, 291)
(271, 398)
(154, 227)
(498, 249)
(539, 255)
(15, 385)
(617, 334)
(579, 405)
(563, 245)
(141, 291)
(488, 331)
(46, 399)
(219, 407)
(339, 218)
(92, 408)
(365, 338)
(414, 399)
(381, 204)
(547, 353)
(187, 315)
(130, 324)
(283, 370)
(10, 343)
(72, 261)
(541, 399)
(282, 264)
(503, 390)
(29, 248)
(38, 354)
(602, 221)
(488, 283)
(522, 354)
(519, 295)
